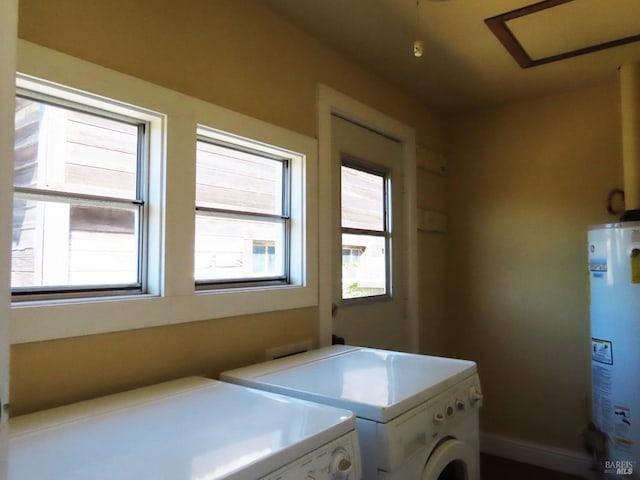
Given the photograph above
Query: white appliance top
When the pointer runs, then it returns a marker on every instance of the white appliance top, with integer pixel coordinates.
(375, 384)
(615, 225)
(188, 429)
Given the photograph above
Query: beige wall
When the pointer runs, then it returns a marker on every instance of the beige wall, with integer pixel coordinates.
(525, 182)
(47, 374)
(234, 54)
(432, 249)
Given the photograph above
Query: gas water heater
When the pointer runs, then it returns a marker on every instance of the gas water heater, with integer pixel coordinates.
(614, 264)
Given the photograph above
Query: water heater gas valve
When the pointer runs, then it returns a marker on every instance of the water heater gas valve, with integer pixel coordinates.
(475, 395)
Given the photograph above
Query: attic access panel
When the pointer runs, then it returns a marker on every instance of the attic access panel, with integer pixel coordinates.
(571, 28)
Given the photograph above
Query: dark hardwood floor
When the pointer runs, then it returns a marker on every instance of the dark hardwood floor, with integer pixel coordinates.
(496, 468)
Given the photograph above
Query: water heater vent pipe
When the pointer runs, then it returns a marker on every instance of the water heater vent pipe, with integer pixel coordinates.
(630, 103)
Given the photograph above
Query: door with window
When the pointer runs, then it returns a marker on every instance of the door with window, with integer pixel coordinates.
(368, 284)
(8, 36)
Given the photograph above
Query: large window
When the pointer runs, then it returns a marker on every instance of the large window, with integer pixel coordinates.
(79, 200)
(366, 235)
(105, 229)
(242, 215)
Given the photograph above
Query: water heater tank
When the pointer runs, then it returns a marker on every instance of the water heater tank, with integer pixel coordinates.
(614, 264)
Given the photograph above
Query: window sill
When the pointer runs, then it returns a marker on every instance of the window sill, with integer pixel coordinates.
(55, 319)
(16, 305)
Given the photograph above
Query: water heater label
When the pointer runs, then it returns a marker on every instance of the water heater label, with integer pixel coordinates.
(602, 407)
(598, 264)
(601, 351)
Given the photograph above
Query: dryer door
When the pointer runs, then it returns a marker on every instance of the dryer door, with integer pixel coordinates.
(451, 460)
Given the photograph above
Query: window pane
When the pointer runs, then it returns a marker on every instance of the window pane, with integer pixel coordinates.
(233, 180)
(61, 245)
(363, 266)
(229, 248)
(362, 200)
(61, 149)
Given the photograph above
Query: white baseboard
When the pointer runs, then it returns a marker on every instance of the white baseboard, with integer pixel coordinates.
(551, 458)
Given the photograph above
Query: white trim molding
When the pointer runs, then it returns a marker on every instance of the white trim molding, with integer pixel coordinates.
(8, 39)
(332, 102)
(545, 456)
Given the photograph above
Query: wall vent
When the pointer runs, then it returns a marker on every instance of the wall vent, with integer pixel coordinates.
(288, 350)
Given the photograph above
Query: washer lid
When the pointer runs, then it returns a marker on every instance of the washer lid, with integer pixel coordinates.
(375, 384)
(201, 429)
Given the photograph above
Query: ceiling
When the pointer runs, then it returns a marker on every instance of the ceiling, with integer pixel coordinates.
(464, 65)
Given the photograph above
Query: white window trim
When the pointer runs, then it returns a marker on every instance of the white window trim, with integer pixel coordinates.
(331, 102)
(8, 38)
(172, 195)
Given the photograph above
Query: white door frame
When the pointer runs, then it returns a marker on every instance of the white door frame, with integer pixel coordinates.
(8, 41)
(332, 102)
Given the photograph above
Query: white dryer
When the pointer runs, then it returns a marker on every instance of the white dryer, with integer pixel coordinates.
(417, 414)
(188, 429)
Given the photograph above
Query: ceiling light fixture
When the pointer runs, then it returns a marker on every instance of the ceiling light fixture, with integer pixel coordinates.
(418, 45)
(418, 48)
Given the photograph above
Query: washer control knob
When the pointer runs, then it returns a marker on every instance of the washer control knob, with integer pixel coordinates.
(450, 411)
(460, 406)
(438, 418)
(340, 467)
(475, 395)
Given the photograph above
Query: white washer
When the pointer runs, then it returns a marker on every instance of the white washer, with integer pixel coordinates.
(188, 429)
(417, 415)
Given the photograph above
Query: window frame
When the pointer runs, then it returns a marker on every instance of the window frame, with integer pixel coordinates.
(386, 233)
(174, 119)
(224, 140)
(57, 98)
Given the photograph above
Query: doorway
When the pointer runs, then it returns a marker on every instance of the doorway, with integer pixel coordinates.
(399, 330)
(368, 305)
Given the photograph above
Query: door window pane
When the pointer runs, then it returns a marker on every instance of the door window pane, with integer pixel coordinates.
(364, 266)
(365, 231)
(362, 199)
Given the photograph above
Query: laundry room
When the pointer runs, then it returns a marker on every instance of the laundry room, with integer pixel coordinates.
(500, 179)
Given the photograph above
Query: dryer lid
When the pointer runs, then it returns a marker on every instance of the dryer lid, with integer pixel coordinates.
(187, 429)
(375, 384)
